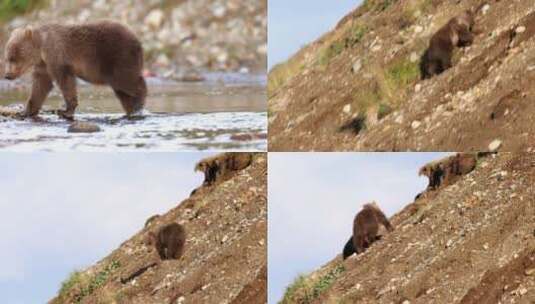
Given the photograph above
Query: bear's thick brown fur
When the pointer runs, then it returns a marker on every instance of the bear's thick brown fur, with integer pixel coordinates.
(220, 167)
(456, 33)
(446, 171)
(365, 228)
(104, 53)
(169, 241)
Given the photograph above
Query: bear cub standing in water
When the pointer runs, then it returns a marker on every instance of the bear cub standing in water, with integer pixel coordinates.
(104, 53)
(365, 229)
(456, 33)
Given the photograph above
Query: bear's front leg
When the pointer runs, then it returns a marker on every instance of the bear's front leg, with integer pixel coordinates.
(41, 86)
(67, 83)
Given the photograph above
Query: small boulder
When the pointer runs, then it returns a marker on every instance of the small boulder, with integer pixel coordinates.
(83, 127)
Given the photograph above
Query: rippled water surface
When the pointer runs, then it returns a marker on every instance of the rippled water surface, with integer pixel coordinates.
(225, 112)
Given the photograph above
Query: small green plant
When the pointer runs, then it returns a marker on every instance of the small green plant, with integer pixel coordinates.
(301, 292)
(281, 73)
(326, 281)
(330, 52)
(355, 34)
(383, 111)
(292, 290)
(74, 279)
(377, 5)
(402, 73)
(97, 281)
(12, 8)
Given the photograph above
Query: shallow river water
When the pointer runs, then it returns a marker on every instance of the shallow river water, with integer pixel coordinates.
(225, 112)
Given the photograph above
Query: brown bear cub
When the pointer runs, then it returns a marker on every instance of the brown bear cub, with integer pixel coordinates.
(456, 33)
(445, 171)
(169, 241)
(219, 167)
(365, 228)
(103, 53)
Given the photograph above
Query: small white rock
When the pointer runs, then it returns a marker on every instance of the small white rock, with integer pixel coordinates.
(495, 145)
(347, 109)
(414, 57)
(415, 124)
(418, 29)
(417, 88)
(356, 66)
(485, 9)
(520, 29)
(154, 19)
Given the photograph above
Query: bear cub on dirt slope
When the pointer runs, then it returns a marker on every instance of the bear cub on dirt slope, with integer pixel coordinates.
(104, 53)
(365, 228)
(456, 33)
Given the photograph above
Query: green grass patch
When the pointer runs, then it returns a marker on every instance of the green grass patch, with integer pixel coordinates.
(292, 292)
(74, 279)
(326, 281)
(377, 5)
(355, 34)
(401, 74)
(384, 110)
(280, 74)
(12, 8)
(328, 53)
(301, 291)
(86, 285)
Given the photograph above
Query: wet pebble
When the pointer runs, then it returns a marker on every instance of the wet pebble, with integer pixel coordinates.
(83, 127)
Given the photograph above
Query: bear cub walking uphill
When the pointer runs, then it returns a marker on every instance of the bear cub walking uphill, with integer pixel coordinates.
(365, 228)
(456, 33)
(169, 241)
(104, 53)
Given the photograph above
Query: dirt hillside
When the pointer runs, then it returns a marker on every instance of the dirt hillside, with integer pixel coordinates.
(358, 87)
(224, 259)
(472, 241)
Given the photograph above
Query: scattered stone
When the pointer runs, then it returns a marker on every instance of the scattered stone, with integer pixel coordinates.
(485, 9)
(154, 19)
(520, 29)
(530, 272)
(406, 302)
(522, 291)
(83, 127)
(357, 65)
(224, 239)
(415, 124)
(418, 29)
(417, 88)
(414, 57)
(162, 60)
(347, 109)
(495, 145)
